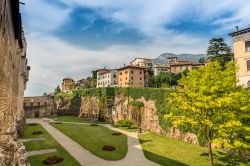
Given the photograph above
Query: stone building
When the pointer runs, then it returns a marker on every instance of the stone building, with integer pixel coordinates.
(143, 62)
(67, 84)
(14, 74)
(160, 68)
(107, 79)
(241, 39)
(179, 66)
(39, 106)
(83, 83)
(134, 76)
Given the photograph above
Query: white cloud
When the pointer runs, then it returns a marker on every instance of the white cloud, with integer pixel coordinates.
(52, 59)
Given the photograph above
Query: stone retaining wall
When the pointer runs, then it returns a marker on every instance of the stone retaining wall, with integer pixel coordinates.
(13, 78)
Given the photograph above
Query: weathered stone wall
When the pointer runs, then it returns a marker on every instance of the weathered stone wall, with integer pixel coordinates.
(39, 106)
(66, 106)
(92, 108)
(13, 77)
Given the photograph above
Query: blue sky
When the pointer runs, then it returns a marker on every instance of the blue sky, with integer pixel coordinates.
(69, 38)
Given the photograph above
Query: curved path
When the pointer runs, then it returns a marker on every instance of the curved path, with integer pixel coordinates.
(134, 156)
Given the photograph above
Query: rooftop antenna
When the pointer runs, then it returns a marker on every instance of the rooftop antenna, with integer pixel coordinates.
(237, 28)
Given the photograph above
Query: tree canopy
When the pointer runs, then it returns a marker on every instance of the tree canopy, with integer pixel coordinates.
(218, 50)
(214, 107)
(169, 79)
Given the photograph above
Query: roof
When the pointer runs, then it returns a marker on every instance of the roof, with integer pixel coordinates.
(132, 66)
(239, 32)
(68, 79)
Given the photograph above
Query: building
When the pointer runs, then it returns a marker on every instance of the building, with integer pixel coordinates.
(143, 62)
(241, 43)
(179, 66)
(67, 84)
(134, 76)
(14, 74)
(107, 78)
(158, 68)
(39, 106)
(82, 83)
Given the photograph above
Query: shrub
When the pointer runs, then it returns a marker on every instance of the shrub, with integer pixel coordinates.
(124, 123)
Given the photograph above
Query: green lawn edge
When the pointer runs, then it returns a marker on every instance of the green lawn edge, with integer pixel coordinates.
(48, 143)
(93, 138)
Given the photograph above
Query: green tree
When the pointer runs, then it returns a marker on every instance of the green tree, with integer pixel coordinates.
(57, 90)
(165, 78)
(45, 94)
(213, 106)
(202, 60)
(218, 50)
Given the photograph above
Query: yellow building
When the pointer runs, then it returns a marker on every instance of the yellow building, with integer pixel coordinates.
(179, 66)
(241, 42)
(67, 84)
(134, 76)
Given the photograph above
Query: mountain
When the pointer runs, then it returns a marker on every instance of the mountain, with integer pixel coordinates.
(163, 58)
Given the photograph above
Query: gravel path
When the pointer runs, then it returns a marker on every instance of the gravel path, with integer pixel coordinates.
(134, 157)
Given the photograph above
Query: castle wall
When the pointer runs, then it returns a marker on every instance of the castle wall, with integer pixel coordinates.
(13, 78)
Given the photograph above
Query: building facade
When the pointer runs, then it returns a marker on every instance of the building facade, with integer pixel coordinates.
(241, 43)
(107, 79)
(14, 74)
(134, 76)
(157, 69)
(143, 62)
(39, 106)
(179, 66)
(67, 84)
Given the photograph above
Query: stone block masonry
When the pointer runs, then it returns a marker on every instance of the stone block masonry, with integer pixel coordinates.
(13, 78)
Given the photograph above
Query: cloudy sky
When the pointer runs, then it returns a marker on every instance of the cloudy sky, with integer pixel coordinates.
(70, 38)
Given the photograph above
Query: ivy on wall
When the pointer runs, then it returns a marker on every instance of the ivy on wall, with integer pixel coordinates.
(104, 94)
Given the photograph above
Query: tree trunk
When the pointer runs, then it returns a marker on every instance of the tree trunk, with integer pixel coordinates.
(210, 153)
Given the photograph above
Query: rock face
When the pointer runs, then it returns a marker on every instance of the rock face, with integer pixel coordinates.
(92, 108)
(13, 78)
(65, 106)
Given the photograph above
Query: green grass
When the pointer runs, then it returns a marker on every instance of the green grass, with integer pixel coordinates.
(71, 119)
(48, 143)
(134, 129)
(171, 152)
(94, 138)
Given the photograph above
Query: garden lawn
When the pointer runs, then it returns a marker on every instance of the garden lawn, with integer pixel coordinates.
(93, 138)
(48, 143)
(71, 119)
(170, 152)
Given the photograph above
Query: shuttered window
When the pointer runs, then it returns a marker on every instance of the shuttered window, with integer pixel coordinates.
(248, 64)
(247, 46)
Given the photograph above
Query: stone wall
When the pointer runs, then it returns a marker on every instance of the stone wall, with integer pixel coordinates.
(13, 77)
(92, 108)
(39, 106)
(65, 106)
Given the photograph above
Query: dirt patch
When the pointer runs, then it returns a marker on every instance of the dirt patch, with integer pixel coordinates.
(108, 148)
(37, 132)
(53, 160)
(117, 134)
(94, 124)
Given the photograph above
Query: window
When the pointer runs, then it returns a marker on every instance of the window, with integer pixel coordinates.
(126, 72)
(248, 84)
(140, 72)
(247, 46)
(114, 75)
(132, 78)
(120, 79)
(132, 71)
(140, 78)
(248, 64)
(120, 73)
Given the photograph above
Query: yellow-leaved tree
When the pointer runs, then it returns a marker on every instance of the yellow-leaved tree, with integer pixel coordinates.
(210, 102)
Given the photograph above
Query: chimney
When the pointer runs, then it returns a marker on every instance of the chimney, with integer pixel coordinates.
(237, 28)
